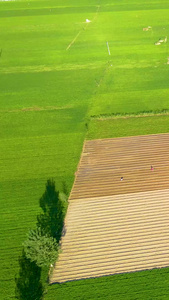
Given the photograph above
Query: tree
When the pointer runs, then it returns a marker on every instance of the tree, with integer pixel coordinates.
(28, 284)
(41, 249)
(52, 219)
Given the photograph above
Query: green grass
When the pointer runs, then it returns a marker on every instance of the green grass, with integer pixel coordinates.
(135, 77)
(44, 100)
(140, 285)
(48, 93)
(35, 146)
(127, 126)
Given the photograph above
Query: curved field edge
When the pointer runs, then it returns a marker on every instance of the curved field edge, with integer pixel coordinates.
(139, 285)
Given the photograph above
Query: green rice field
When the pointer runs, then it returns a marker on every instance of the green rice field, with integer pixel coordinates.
(56, 71)
(140, 285)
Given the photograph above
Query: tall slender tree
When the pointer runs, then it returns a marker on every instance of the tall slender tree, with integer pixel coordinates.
(52, 219)
(28, 283)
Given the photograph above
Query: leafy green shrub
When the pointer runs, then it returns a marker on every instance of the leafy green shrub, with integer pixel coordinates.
(41, 249)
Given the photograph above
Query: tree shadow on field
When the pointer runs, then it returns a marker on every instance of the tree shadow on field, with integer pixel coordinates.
(28, 284)
(52, 219)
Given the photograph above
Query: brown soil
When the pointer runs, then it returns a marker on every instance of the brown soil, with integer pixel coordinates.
(104, 162)
(115, 226)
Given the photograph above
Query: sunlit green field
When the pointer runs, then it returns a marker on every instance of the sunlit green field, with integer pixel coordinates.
(140, 285)
(55, 72)
(135, 77)
(127, 126)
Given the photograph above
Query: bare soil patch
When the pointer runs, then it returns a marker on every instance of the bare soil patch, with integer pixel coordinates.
(115, 226)
(104, 162)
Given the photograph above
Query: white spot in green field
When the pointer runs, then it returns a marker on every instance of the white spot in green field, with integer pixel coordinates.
(147, 28)
(161, 41)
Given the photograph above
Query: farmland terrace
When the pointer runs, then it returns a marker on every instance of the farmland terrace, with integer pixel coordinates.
(113, 225)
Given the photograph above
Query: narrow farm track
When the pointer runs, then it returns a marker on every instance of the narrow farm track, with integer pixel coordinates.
(115, 226)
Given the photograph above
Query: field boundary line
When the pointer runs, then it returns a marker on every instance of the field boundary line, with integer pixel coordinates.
(124, 196)
(127, 116)
(100, 82)
(74, 40)
(81, 157)
(123, 137)
(98, 7)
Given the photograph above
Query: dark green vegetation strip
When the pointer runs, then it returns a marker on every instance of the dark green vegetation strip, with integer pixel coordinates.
(45, 11)
(140, 285)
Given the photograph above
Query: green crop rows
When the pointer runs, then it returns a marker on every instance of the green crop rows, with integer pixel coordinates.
(141, 285)
(55, 73)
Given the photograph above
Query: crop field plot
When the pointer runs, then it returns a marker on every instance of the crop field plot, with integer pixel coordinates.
(104, 162)
(135, 76)
(113, 225)
(44, 96)
(62, 62)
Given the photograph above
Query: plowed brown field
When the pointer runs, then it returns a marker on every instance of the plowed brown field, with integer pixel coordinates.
(115, 226)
